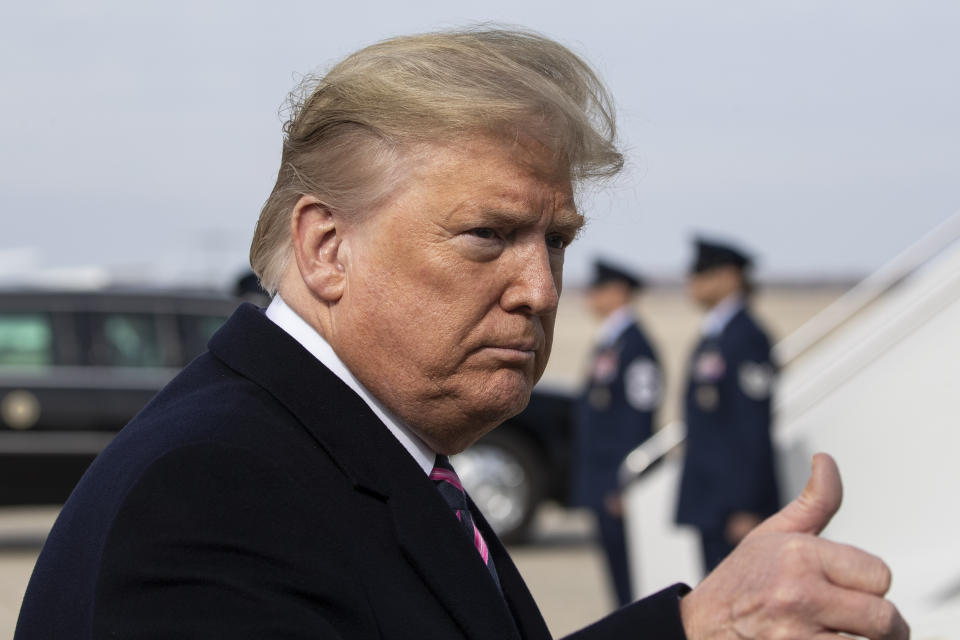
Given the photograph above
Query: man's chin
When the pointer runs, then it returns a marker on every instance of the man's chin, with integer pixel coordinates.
(480, 416)
(452, 444)
(508, 396)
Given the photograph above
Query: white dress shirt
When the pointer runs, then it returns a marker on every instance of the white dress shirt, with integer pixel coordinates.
(720, 316)
(288, 320)
(614, 325)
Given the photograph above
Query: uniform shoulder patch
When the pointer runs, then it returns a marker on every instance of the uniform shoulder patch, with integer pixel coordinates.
(756, 379)
(643, 384)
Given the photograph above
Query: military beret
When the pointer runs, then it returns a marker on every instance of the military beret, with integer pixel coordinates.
(710, 254)
(604, 272)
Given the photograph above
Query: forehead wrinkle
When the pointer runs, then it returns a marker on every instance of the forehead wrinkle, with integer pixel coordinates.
(519, 207)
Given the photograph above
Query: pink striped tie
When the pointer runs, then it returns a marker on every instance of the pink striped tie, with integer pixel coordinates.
(450, 487)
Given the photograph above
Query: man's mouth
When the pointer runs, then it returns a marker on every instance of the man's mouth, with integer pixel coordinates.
(520, 351)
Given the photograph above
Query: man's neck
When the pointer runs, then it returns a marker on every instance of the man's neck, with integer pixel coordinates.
(285, 317)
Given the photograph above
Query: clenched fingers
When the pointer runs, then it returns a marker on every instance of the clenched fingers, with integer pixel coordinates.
(852, 568)
(862, 614)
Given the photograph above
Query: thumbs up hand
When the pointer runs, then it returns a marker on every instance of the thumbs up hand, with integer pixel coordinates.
(784, 582)
(815, 506)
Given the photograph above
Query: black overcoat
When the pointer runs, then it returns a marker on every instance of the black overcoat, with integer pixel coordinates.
(257, 496)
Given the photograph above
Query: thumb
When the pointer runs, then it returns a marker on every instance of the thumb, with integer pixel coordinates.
(811, 510)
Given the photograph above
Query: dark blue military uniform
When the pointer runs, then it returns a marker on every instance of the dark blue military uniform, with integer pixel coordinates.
(729, 458)
(614, 414)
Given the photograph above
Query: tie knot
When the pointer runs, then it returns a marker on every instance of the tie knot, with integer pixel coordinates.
(443, 472)
(449, 486)
(448, 483)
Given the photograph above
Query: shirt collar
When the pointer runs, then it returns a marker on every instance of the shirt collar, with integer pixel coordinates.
(287, 319)
(614, 325)
(720, 316)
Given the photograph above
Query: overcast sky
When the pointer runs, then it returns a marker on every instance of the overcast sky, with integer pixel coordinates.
(824, 135)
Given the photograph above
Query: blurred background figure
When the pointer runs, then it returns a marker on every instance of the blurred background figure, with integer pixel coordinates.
(728, 484)
(248, 289)
(615, 411)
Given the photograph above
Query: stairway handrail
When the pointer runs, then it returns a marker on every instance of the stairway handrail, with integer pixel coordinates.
(861, 295)
(868, 290)
(651, 451)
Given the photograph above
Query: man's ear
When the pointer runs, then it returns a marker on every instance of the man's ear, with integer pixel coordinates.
(317, 233)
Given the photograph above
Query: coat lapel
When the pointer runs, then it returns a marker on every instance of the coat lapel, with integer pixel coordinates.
(448, 562)
(524, 609)
(352, 435)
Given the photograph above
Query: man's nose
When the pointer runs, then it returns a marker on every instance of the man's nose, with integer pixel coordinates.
(533, 286)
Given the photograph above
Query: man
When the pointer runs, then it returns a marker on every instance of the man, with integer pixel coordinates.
(293, 481)
(728, 484)
(615, 411)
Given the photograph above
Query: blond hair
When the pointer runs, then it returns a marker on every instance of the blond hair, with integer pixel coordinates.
(345, 139)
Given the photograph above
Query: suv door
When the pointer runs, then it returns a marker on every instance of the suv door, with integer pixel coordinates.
(74, 375)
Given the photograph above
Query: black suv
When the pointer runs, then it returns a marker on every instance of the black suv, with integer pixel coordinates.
(77, 366)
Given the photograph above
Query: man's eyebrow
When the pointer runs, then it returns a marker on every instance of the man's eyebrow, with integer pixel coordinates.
(569, 221)
(507, 217)
(566, 220)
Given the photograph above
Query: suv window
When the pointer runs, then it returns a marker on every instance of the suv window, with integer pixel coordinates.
(26, 339)
(124, 340)
(196, 331)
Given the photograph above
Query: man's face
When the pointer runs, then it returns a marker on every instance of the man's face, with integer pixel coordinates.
(709, 287)
(606, 298)
(452, 288)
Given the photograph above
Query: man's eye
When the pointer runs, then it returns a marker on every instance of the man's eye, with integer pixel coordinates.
(484, 232)
(556, 241)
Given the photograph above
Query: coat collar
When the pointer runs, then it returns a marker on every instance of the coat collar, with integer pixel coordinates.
(300, 330)
(377, 464)
(718, 318)
(615, 325)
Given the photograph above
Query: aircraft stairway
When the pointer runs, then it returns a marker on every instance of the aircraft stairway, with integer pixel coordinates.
(874, 380)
